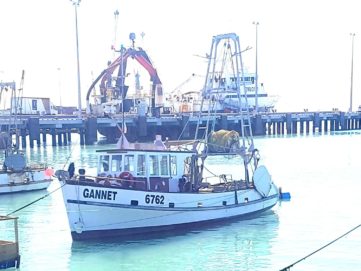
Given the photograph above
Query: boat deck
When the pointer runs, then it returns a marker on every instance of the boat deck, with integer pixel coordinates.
(139, 184)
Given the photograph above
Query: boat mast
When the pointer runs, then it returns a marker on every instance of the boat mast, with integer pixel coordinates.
(116, 16)
(256, 77)
(15, 104)
(205, 92)
(225, 63)
(18, 100)
(225, 75)
(122, 49)
(76, 5)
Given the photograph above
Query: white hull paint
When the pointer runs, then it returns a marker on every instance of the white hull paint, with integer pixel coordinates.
(16, 182)
(32, 186)
(119, 215)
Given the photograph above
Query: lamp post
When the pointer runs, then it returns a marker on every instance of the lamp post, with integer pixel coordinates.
(76, 4)
(352, 37)
(116, 15)
(256, 72)
(60, 111)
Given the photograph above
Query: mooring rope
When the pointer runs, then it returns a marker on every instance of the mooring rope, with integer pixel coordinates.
(31, 203)
(48, 194)
(321, 248)
(183, 130)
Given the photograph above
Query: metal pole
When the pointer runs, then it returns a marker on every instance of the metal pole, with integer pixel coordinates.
(16, 234)
(122, 88)
(116, 15)
(256, 73)
(353, 37)
(76, 4)
(60, 111)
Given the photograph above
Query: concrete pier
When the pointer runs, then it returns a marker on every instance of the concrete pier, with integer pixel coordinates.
(143, 127)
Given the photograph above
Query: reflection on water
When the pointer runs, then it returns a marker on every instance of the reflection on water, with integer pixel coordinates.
(232, 245)
(322, 173)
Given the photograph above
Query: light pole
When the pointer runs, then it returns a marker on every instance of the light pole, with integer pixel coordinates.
(60, 111)
(256, 73)
(352, 37)
(116, 15)
(76, 4)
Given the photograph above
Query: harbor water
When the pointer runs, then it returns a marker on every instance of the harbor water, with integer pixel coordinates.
(322, 173)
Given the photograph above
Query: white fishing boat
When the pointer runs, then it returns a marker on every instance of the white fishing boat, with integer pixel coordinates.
(16, 173)
(188, 97)
(255, 98)
(141, 188)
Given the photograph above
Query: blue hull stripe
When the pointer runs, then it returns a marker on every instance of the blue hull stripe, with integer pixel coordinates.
(183, 209)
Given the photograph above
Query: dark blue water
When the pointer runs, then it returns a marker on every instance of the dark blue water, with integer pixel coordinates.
(322, 173)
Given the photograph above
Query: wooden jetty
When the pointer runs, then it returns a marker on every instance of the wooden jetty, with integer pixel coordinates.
(9, 250)
(143, 128)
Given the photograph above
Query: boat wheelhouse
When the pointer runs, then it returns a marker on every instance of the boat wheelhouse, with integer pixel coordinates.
(151, 170)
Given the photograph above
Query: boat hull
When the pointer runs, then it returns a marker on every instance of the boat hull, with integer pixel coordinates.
(16, 182)
(26, 187)
(120, 212)
(140, 232)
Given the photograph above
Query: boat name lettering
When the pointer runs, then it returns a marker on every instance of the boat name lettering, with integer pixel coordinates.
(99, 194)
(151, 199)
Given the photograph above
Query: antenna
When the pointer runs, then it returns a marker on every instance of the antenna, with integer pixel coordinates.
(19, 100)
(132, 38)
(116, 16)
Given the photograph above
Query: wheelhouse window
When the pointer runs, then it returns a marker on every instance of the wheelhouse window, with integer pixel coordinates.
(187, 165)
(153, 165)
(34, 104)
(164, 165)
(129, 163)
(141, 165)
(116, 163)
(104, 163)
(173, 165)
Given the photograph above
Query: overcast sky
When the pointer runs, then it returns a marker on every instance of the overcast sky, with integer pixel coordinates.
(304, 47)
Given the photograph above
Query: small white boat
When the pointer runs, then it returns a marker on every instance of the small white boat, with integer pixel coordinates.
(142, 188)
(16, 174)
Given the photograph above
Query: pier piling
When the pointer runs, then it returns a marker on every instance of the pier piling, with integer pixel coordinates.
(34, 131)
(60, 141)
(142, 126)
(82, 137)
(53, 137)
(90, 131)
